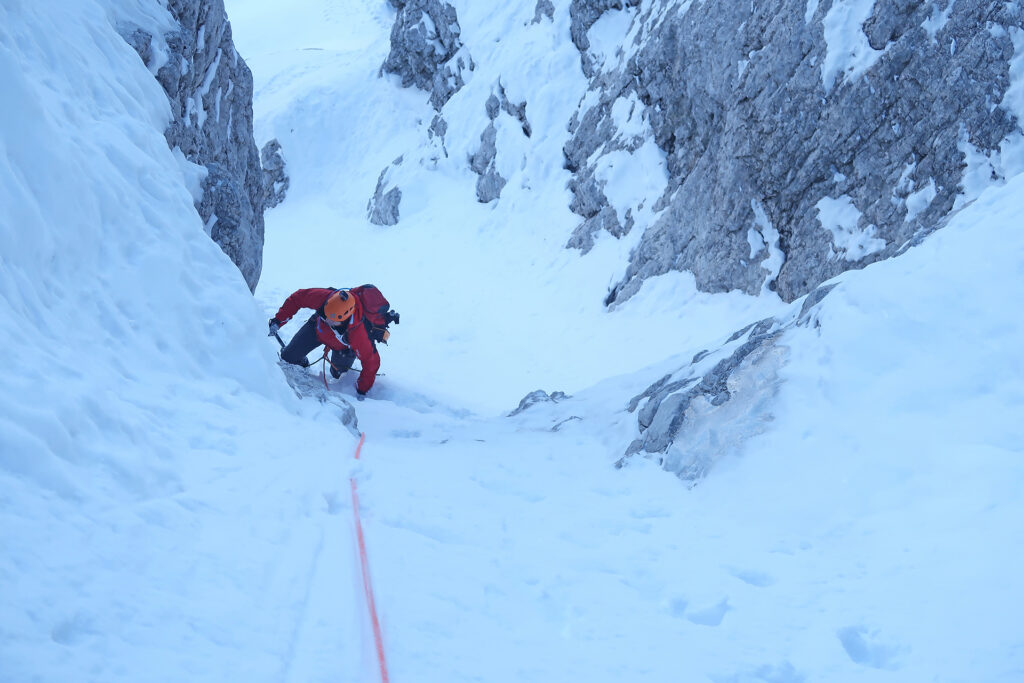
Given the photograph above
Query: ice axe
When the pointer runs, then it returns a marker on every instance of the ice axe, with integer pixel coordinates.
(274, 327)
(280, 341)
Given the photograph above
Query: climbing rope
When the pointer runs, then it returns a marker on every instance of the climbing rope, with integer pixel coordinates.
(364, 563)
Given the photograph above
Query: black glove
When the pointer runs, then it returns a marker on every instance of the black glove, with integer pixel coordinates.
(274, 327)
(392, 317)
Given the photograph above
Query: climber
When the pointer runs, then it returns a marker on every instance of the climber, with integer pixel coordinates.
(343, 324)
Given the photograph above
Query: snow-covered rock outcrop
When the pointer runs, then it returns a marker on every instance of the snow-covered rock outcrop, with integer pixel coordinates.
(382, 209)
(802, 139)
(709, 407)
(425, 48)
(209, 87)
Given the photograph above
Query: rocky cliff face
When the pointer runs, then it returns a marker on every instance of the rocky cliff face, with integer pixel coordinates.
(209, 88)
(802, 138)
(799, 138)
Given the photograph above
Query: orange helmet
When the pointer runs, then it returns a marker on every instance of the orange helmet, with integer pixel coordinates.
(339, 307)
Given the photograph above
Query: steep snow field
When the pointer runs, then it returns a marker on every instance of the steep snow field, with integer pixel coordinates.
(170, 511)
(148, 492)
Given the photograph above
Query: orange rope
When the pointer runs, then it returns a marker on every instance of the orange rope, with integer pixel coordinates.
(365, 564)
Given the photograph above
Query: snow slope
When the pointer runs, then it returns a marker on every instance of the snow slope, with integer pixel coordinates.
(837, 562)
(147, 478)
(170, 511)
(872, 533)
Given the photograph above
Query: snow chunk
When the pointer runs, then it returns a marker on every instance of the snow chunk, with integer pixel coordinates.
(840, 217)
(770, 238)
(906, 182)
(193, 174)
(812, 8)
(847, 51)
(756, 242)
(981, 170)
(1012, 148)
(211, 73)
(632, 178)
(606, 36)
(937, 20)
(627, 114)
(919, 201)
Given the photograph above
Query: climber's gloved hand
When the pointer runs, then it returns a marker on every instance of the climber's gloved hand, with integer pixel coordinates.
(393, 317)
(274, 327)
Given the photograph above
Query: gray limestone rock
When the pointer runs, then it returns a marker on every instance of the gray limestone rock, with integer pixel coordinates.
(382, 209)
(544, 9)
(225, 202)
(490, 182)
(766, 130)
(425, 48)
(209, 88)
(438, 127)
(605, 219)
(275, 177)
(539, 396)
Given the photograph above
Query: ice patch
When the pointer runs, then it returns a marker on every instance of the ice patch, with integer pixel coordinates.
(711, 432)
(841, 218)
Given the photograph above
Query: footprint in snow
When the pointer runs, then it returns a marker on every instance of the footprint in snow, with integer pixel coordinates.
(73, 630)
(334, 502)
(710, 616)
(766, 673)
(753, 577)
(868, 648)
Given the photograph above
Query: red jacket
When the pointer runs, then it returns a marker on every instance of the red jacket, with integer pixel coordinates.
(353, 337)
